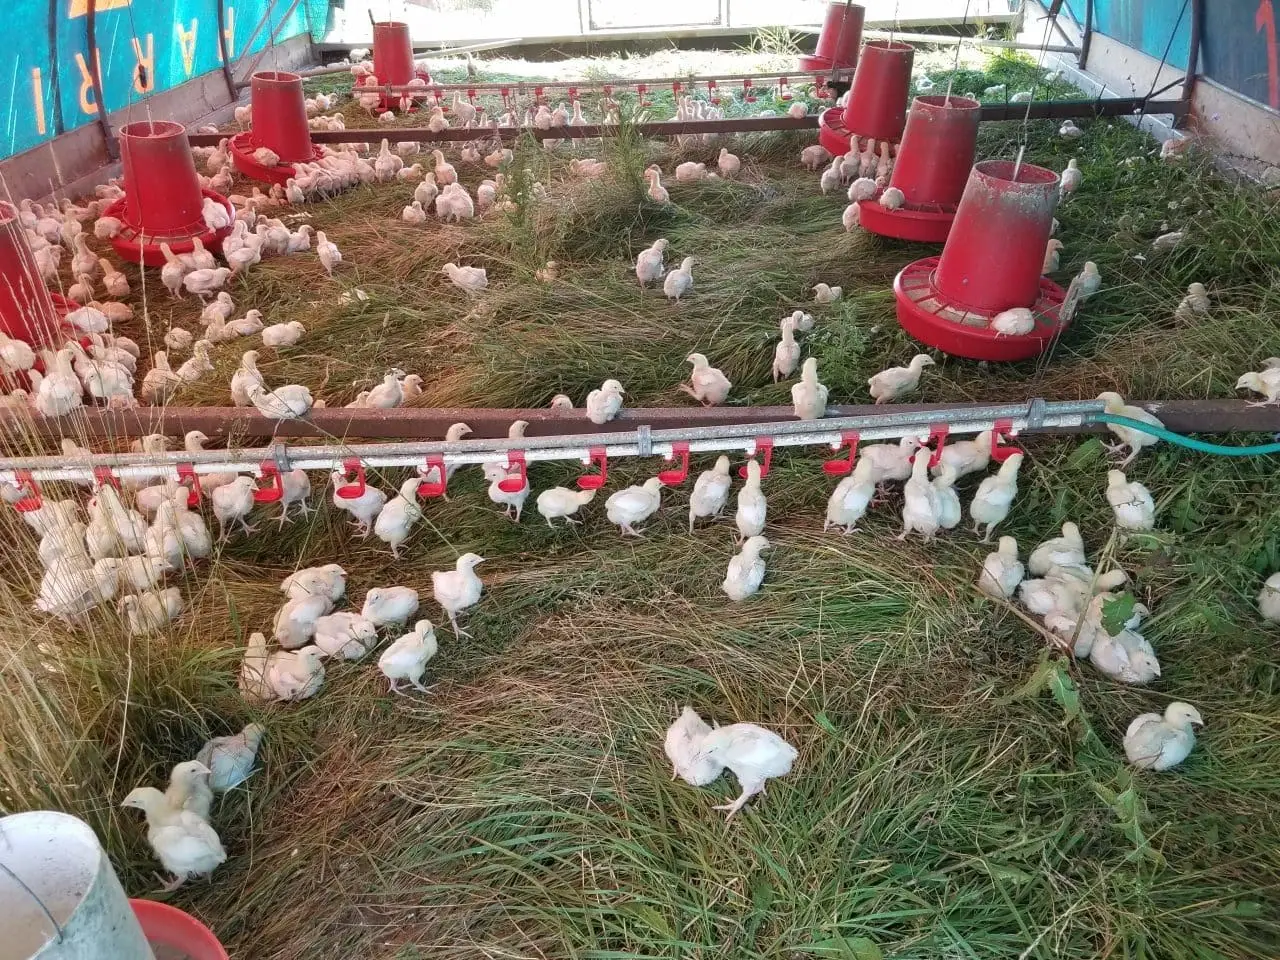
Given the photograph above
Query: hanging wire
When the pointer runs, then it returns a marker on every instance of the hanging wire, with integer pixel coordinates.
(34, 896)
(1155, 78)
(955, 65)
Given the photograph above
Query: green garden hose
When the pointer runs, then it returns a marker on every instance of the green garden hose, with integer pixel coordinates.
(1178, 439)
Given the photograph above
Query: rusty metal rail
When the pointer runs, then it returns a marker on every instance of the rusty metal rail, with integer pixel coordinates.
(430, 423)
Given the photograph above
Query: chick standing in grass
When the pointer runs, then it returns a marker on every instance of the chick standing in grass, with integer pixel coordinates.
(754, 754)
(679, 281)
(604, 404)
(851, 497)
(1002, 571)
(710, 492)
(787, 353)
(949, 511)
(920, 506)
(512, 501)
(752, 505)
(396, 519)
(707, 384)
(230, 759)
(363, 508)
(634, 505)
(407, 657)
(189, 788)
(1131, 502)
(683, 741)
(1194, 304)
(458, 589)
(1269, 599)
(183, 842)
(561, 502)
(1130, 437)
(825, 294)
(809, 397)
(995, 495)
(746, 569)
(888, 385)
(1265, 382)
(1153, 742)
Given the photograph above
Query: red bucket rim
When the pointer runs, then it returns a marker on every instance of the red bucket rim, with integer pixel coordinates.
(281, 78)
(157, 919)
(943, 102)
(1029, 175)
(888, 46)
(151, 130)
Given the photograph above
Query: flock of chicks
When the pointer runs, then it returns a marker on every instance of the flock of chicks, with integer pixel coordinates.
(88, 564)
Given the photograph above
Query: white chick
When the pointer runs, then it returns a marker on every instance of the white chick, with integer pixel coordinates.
(746, 569)
(189, 788)
(802, 320)
(822, 293)
(966, 456)
(1064, 552)
(408, 656)
(329, 580)
(688, 172)
(346, 635)
(1132, 503)
(1126, 657)
(683, 741)
(994, 498)
(809, 397)
(657, 192)
(862, 188)
(649, 265)
(1014, 322)
(888, 385)
(283, 334)
(1269, 599)
(707, 384)
(892, 198)
(831, 177)
(949, 511)
(1136, 440)
(396, 519)
(1194, 304)
(390, 605)
(444, 171)
(364, 509)
(294, 674)
(728, 164)
(814, 156)
(1167, 241)
(634, 505)
(851, 217)
(604, 404)
(679, 281)
(458, 589)
(891, 461)
(1153, 742)
(1265, 382)
(388, 393)
(786, 355)
(710, 492)
(512, 501)
(561, 402)
(295, 621)
(150, 612)
(328, 252)
(1069, 131)
(1088, 280)
(1072, 177)
(230, 759)
(183, 842)
(1002, 571)
(561, 502)
(1091, 629)
(289, 402)
(1052, 256)
(754, 754)
(752, 505)
(851, 497)
(468, 279)
(920, 507)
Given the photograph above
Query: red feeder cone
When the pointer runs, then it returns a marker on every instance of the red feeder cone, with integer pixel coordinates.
(28, 311)
(839, 40)
(931, 170)
(279, 123)
(392, 57)
(162, 195)
(877, 106)
(992, 262)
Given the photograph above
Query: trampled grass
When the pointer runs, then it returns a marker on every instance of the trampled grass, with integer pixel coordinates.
(958, 792)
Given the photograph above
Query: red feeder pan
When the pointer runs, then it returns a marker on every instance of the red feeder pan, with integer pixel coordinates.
(839, 40)
(28, 311)
(991, 263)
(931, 170)
(279, 123)
(392, 56)
(877, 106)
(176, 933)
(162, 195)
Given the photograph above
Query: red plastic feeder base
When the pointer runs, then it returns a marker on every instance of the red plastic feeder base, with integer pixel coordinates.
(130, 245)
(832, 133)
(242, 146)
(928, 223)
(175, 933)
(925, 315)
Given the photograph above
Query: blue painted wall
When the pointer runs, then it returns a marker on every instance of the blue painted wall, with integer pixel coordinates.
(1238, 46)
(144, 47)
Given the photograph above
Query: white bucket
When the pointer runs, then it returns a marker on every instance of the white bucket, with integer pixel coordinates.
(59, 897)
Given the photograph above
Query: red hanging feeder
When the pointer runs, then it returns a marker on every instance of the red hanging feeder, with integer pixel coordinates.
(28, 311)
(991, 263)
(839, 40)
(280, 124)
(392, 58)
(162, 195)
(931, 170)
(877, 106)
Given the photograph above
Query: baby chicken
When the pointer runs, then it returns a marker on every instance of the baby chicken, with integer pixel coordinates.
(1130, 437)
(825, 294)
(1131, 502)
(746, 569)
(561, 502)
(679, 281)
(682, 744)
(752, 505)
(851, 497)
(407, 657)
(787, 353)
(634, 505)
(230, 759)
(888, 385)
(1153, 742)
(604, 404)
(1265, 382)
(809, 397)
(707, 384)
(649, 265)
(458, 589)
(754, 754)
(384, 606)
(710, 492)
(183, 842)
(1002, 571)
(995, 495)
